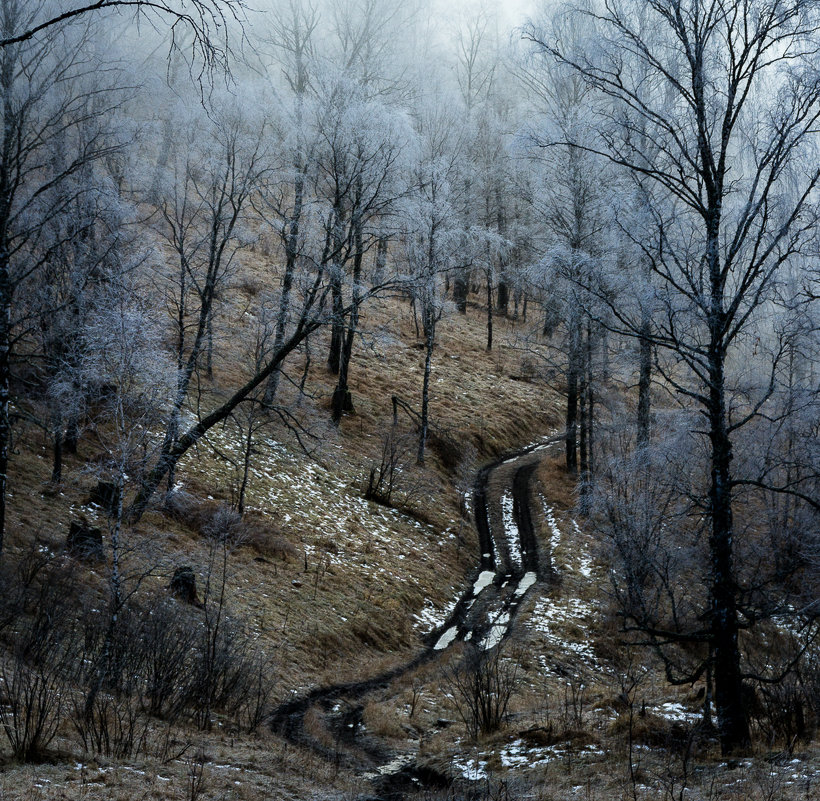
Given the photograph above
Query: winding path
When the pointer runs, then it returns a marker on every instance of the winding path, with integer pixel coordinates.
(509, 566)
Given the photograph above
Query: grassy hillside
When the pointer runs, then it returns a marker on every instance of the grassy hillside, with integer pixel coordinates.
(316, 585)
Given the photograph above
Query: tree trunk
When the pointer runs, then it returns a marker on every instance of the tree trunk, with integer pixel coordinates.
(430, 334)
(461, 288)
(503, 298)
(489, 309)
(57, 464)
(732, 721)
(644, 383)
(5, 388)
(334, 357)
(573, 371)
(291, 255)
(342, 401)
(173, 452)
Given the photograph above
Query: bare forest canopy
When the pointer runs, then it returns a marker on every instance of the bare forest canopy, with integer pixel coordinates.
(199, 198)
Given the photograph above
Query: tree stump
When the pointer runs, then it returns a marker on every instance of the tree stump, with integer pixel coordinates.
(107, 494)
(183, 585)
(84, 541)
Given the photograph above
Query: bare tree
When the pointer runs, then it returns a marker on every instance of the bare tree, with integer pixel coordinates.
(51, 133)
(202, 27)
(203, 223)
(722, 96)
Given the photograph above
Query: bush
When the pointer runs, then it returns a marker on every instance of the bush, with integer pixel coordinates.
(31, 707)
(113, 725)
(482, 685)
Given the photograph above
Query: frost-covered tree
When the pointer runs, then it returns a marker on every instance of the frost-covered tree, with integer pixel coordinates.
(715, 106)
(55, 127)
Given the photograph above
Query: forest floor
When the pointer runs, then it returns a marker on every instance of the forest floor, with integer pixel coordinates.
(335, 589)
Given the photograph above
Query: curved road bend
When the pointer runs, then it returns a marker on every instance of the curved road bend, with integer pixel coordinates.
(508, 567)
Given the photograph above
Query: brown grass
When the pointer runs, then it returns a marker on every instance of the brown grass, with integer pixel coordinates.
(330, 587)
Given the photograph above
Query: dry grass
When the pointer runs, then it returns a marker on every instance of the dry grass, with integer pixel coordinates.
(329, 584)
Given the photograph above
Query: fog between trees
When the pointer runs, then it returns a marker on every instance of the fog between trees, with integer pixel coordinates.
(635, 183)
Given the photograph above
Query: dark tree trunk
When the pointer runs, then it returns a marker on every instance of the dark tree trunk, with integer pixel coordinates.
(72, 434)
(461, 287)
(644, 383)
(342, 400)
(731, 713)
(209, 350)
(489, 310)
(429, 336)
(503, 298)
(381, 261)
(5, 386)
(57, 463)
(334, 357)
(291, 255)
(573, 381)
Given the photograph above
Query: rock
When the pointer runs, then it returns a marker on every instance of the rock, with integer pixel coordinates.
(85, 542)
(183, 585)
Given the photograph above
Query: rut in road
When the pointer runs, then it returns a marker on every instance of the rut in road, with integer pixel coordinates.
(484, 614)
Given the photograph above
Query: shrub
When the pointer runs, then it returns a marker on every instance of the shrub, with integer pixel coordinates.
(31, 707)
(481, 685)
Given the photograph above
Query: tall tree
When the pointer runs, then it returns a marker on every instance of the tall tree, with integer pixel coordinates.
(726, 131)
(50, 134)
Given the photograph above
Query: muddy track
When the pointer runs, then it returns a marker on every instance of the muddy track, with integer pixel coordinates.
(510, 563)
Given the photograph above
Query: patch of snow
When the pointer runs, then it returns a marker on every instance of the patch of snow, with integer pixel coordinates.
(549, 613)
(511, 529)
(527, 580)
(497, 632)
(676, 712)
(473, 769)
(446, 638)
(431, 618)
(555, 532)
(485, 578)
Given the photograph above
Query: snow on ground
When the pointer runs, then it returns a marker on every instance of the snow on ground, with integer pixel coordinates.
(527, 580)
(584, 558)
(677, 712)
(551, 615)
(519, 756)
(446, 639)
(511, 530)
(297, 489)
(499, 625)
(431, 618)
(555, 532)
(485, 578)
(472, 769)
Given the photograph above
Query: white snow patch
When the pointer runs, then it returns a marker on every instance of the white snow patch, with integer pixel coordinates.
(555, 532)
(527, 580)
(677, 712)
(485, 578)
(511, 529)
(549, 613)
(431, 618)
(497, 632)
(446, 638)
(473, 769)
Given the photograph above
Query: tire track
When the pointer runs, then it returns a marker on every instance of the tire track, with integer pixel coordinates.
(485, 615)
